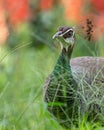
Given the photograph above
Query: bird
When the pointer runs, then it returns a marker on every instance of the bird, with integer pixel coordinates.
(75, 87)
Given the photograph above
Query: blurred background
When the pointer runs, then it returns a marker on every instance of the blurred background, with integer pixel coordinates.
(28, 54)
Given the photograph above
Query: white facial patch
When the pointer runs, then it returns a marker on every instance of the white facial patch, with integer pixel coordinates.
(69, 40)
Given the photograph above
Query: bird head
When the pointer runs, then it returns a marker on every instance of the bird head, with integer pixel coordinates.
(66, 36)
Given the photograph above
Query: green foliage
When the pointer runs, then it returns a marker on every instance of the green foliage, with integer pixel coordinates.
(23, 71)
(22, 76)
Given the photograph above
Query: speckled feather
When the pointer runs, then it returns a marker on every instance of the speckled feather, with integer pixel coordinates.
(75, 87)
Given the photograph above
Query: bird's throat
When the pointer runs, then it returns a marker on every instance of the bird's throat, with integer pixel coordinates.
(62, 64)
(65, 43)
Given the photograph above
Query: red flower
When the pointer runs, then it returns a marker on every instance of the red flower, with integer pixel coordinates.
(3, 27)
(73, 9)
(98, 5)
(17, 10)
(46, 4)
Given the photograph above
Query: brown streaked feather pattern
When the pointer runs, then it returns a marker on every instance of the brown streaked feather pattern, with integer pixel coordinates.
(88, 68)
(76, 86)
(88, 72)
(91, 67)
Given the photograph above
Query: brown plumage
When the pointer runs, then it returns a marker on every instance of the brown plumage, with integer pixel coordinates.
(76, 86)
(90, 68)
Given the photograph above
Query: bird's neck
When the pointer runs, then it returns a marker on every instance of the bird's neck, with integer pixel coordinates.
(63, 61)
(62, 86)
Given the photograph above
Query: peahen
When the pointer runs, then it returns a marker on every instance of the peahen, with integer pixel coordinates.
(75, 87)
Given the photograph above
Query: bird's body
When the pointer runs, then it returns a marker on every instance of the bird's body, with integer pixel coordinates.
(89, 68)
(60, 90)
(76, 86)
(88, 73)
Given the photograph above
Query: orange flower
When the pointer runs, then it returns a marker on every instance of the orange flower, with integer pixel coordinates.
(98, 5)
(3, 27)
(17, 10)
(73, 9)
(46, 4)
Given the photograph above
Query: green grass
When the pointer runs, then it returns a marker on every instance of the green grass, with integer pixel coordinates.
(22, 76)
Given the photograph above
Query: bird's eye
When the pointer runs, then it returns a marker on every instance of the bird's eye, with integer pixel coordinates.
(68, 34)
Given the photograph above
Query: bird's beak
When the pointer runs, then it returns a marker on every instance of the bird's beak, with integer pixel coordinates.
(56, 35)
